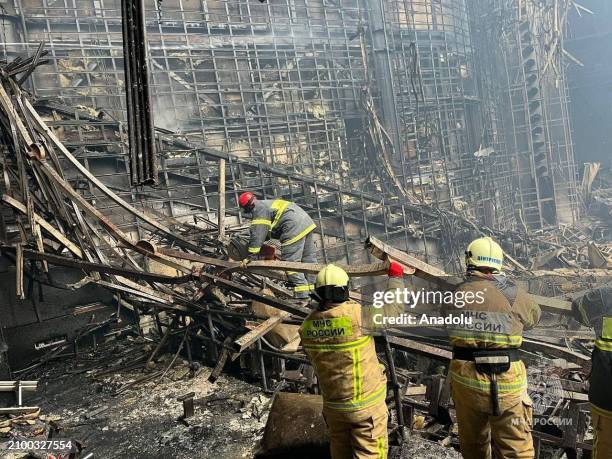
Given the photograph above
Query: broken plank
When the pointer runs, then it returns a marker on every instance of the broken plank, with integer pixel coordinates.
(45, 225)
(373, 269)
(99, 268)
(561, 352)
(7, 104)
(415, 390)
(554, 305)
(247, 340)
(576, 396)
(408, 345)
(157, 298)
(250, 293)
(560, 333)
(214, 375)
(423, 270)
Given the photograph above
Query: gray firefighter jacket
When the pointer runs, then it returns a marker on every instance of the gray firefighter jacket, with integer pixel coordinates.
(278, 219)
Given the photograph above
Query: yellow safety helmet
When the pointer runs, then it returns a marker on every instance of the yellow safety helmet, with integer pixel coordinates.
(484, 252)
(332, 275)
(332, 284)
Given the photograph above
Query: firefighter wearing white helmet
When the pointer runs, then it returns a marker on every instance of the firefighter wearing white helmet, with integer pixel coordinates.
(489, 381)
(484, 253)
(351, 378)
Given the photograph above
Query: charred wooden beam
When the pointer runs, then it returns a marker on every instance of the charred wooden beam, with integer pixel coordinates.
(373, 269)
(420, 269)
(45, 225)
(246, 292)
(409, 345)
(252, 336)
(557, 351)
(97, 267)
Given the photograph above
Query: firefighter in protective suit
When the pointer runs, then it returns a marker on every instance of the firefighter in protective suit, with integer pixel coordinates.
(351, 378)
(289, 223)
(488, 380)
(594, 309)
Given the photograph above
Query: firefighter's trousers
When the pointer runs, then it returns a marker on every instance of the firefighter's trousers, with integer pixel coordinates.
(602, 435)
(480, 433)
(301, 251)
(360, 434)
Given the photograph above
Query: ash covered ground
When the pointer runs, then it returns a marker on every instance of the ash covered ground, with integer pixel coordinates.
(143, 421)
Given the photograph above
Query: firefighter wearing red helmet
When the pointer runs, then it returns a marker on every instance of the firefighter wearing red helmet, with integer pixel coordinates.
(287, 222)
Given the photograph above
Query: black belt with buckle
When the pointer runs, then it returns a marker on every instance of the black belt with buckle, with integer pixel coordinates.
(491, 362)
(471, 353)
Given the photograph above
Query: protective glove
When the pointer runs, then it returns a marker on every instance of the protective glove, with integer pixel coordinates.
(395, 270)
(268, 252)
(245, 262)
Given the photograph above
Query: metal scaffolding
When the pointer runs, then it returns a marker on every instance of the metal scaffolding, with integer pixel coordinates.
(278, 90)
(526, 58)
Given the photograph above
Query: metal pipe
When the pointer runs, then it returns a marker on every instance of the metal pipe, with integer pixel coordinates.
(396, 388)
(221, 216)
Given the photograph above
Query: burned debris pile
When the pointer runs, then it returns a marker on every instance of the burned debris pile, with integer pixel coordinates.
(180, 300)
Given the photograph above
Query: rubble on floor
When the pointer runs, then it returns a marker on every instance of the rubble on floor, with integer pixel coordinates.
(146, 420)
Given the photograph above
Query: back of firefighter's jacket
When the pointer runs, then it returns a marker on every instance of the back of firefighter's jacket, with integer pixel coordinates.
(344, 358)
(278, 219)
(497, 322)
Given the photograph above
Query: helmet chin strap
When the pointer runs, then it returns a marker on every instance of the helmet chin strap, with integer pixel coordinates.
(315, 296)
(331, 294)
(483, 271)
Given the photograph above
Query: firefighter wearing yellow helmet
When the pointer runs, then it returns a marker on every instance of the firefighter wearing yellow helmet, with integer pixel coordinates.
(489, 381)
(351, 379)
(484, 253)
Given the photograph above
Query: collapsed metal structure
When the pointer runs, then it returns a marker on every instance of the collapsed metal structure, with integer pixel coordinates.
(422, 123)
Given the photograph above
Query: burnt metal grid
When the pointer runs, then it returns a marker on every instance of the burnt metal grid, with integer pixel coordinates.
(257, 84)
(528, 34)
(344, 216)
(443, 113)
(486, 31)
(275, 88)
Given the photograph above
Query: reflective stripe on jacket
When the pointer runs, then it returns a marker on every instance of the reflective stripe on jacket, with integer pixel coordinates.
(350, 375)
(279, 219)
(594, 309)
(498, 322)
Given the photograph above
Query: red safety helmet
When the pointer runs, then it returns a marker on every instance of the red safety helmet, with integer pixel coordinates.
(247, 200)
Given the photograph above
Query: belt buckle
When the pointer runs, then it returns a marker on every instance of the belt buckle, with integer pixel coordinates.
(492, 362)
